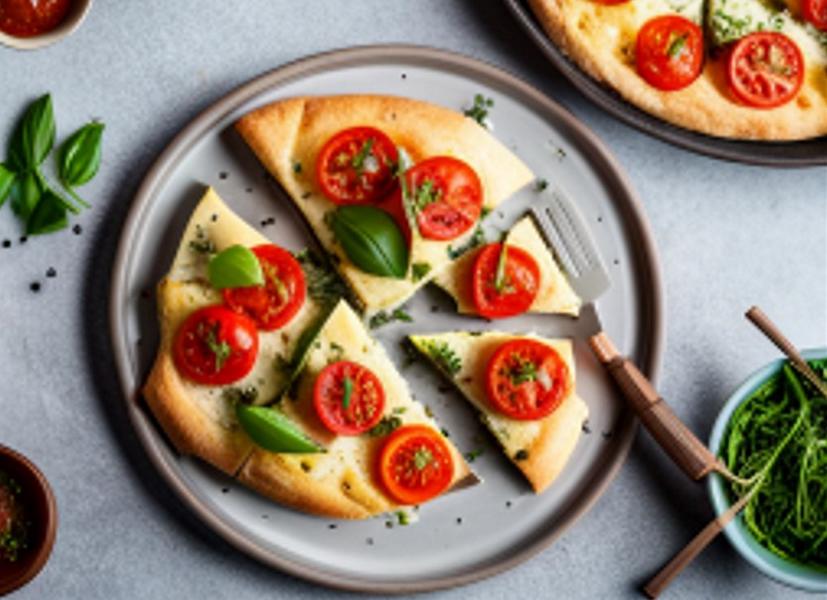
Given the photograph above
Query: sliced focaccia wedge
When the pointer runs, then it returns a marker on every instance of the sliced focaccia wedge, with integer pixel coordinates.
(351, 478)
(524, 388)
(543, 288)
(337, 152)
(198, 417)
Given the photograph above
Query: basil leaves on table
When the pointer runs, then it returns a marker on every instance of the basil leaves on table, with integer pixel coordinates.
(33, 199)
(235, 267)
(371, 240)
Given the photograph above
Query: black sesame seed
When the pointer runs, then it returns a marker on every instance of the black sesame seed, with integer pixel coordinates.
(332, 526)
(265, 516)
(23, 239)
(508, 503)
(77, 229)
(369, 541)
(249, 190)
(606, 434)
(6, 243)
(225, 490)
(404, 75)
(459, 520)
(35, 286)
(51, 272)
(434, 308)
(585, 427)
(389, 524)
(222, 175)
(214, 218)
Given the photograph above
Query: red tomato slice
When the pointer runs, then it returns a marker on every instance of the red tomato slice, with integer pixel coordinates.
(669, 52)
(815, 11)
(276, 302)
(447, 197)
(415, 464)
(520, 283)
(215, 346)
(526, 379)
(356, 166)
(765, 69)
(353, 412)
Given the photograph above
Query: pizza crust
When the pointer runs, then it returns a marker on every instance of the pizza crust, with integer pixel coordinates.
(287, 136)
(601, 39)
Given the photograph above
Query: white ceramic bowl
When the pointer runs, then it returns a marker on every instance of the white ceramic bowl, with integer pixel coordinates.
(77, 13)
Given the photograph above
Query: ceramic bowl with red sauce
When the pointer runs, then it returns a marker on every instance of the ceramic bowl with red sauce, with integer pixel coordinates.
(27, 504)
(32, 24)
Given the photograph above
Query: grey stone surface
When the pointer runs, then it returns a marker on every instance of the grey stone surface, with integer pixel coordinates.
(729, 236)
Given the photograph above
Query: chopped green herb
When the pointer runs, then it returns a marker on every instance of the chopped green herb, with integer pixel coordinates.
(347, 392)
(500, 279)
(444, 432)
(479, 111)
(444, 356)
(297, 167)
(474, 454)
(521, 455)
(422, 458)
(426, 193)
(403, 518)
(14, 529)
(359, 158)
(429, 411)
(524, 371)
(477, 239)
(383, 318)
(419, 270)
(676, 46)
(323, 283)
(540, 185)
(399, 410)
(386, 426)
(221, 350)
(410, 351)
(244, 395)
(202, 244)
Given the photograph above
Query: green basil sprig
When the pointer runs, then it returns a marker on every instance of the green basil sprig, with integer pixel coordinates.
(33, 199)
(371, 240)
(34, 137)
(235, 267)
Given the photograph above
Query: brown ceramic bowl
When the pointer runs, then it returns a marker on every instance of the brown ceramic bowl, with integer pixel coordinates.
(41, 510)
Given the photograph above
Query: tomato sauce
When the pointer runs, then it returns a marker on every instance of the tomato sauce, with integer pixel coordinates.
(28, 18)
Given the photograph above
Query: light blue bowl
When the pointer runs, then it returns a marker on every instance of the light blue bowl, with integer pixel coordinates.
(789, 573)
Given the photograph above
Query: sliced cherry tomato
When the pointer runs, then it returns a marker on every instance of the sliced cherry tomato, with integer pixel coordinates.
(526, 379)
(519, 285)
(215, 346)
(815, 11)
(447, 197)
(275, 303)
(348, 398)
(669, 52)
(765, 69)
(415, 464)
(357, 165)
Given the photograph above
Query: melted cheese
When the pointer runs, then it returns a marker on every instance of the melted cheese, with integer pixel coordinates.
(555, 295)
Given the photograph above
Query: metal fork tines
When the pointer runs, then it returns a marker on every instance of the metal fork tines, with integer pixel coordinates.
(569, 236)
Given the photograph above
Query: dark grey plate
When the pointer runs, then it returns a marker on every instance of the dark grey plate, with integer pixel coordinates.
(773, 154)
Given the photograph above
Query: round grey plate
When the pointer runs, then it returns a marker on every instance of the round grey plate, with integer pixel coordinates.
(774, 154)
(459, 537)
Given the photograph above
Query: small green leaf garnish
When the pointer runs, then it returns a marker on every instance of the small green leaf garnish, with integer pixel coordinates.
(386, 426)
(80, 158)
(371, 240)
(500, 279)
(419, 270)
(426, 193)
(235, 267)
(479, 111)
(444, 356)
(273, 430)
(422, 458)
(221, 350)
(347, 392)
(34, 137)
(383, 318)
(359, 158)
(676, 46)
(474, 454)
(524, 371)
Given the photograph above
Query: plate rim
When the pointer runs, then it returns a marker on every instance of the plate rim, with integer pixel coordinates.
(161, 457)
(681, 137)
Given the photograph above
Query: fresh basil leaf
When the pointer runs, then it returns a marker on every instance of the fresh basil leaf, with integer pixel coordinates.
(80, 155)
(7, 179)
(49, 215)
(235, 267)
(371, 240)
(272, 430)
(34, 137)
(25, 194)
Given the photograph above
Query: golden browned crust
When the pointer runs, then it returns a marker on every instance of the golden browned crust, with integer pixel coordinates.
(601, 39)
(290, 133)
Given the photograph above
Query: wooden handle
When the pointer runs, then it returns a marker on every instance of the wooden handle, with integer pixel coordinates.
(763, 322)
(674, 437)
(683, 558)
